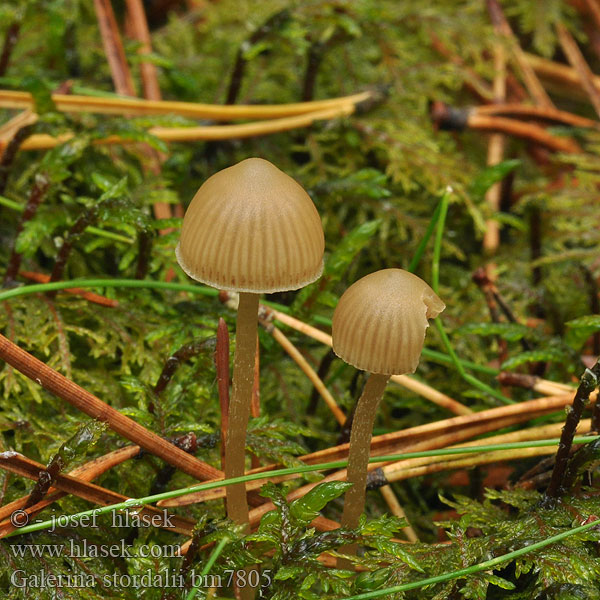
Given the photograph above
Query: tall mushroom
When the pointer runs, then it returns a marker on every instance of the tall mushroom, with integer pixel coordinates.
(250, 229)
(378, 326)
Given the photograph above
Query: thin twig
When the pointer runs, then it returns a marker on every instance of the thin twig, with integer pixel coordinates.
(405, 381)
(38, 191)
(502, 27)
(275, 21)
(396, 509)
(192, 110)
(496, 143)
(10, 41)
(589, 382)
(580, 65)
(113, 47)
(17, 463)
(139, 25)
(207, 133)
(537, 112)
(54, 382)
(89, 296)
(297, 357)
(86, 472)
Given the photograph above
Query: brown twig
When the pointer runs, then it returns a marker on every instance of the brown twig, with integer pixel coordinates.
(449, 118)
(38, 191)
(207, 133)
(17, 463)
(502, 27)
(89, 296)
(139, 27)
(533, 382)
(10, 41)
(83, 400)
(192, 110)
(423, 437)
(405, 381)
(491, 237)
(476, 84)
(537, 112)
(237, 75)
(565, 79)
(141, 33)
(113, 47)
(580, 65)
(588, 383)
(297, 357)
(10, 153)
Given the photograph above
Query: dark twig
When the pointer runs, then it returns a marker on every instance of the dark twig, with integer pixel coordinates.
(174, 362)
(594, 304)
(578, 62)
(38, 191)
(274, 22)
(145, 239)
(85, 220)
(10, 41)
(10, 153)
(589, 381)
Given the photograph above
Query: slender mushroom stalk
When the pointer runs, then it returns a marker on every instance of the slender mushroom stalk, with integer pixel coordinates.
(379, 326)
(250, 229)
(239, 408)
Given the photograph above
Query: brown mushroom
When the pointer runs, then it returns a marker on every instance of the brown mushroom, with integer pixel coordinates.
(379, 326)
(250, 229)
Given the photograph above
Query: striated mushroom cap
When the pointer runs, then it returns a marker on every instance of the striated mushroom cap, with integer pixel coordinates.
(380, 321)
(252, 228)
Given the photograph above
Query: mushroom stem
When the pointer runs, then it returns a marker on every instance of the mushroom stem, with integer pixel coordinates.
(239, 407)
(358, 457)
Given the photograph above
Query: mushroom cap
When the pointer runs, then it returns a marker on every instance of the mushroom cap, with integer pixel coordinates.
(252, 228)
(380, 321)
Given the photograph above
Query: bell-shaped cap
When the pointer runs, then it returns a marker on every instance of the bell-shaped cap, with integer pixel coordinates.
(252, 228)
(380, 321)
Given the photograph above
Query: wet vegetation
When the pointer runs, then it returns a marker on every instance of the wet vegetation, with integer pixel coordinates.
(471, 158)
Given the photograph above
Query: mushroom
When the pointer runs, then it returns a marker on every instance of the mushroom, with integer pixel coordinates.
(379, 326)
(250, 229)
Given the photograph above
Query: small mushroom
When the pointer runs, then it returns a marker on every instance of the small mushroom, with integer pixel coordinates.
(379, 326)
(250, 229)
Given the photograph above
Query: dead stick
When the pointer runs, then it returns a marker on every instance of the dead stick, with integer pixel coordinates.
(405, 381)
(297, 357)
(537, 112)
(580, 65)
(17, 463)
(501, 25)
(115, 54)
(207, 133)
(86, 472)
(90, 296)
(496, 143)
(193, 110)
(86, 402)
